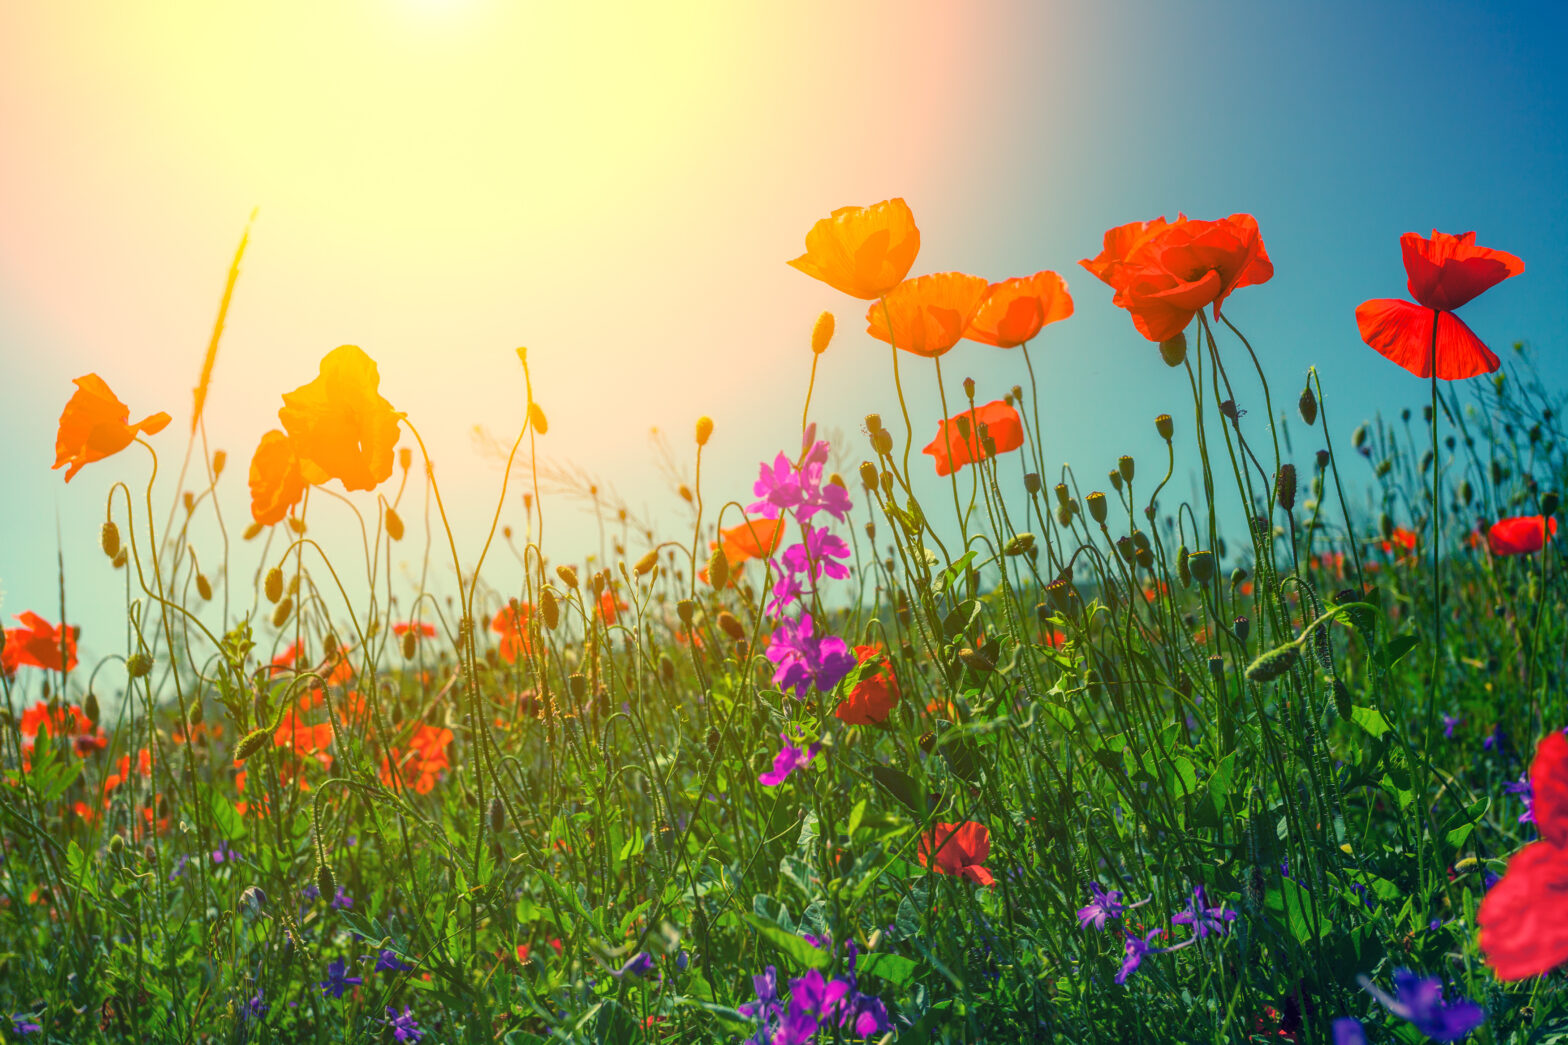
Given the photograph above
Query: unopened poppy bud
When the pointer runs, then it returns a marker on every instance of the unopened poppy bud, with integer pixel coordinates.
(203, 587)
(1322, 459)
(109, 538)
(90, 707)
(1031, 483)
(1385, 526)
(189, 500)
(219, 459)
(297, 524)
(974, 660)
(1124, 465)
(408, 644)
(405, 458)
(718, 568)
(598, 580)
(568, 576)
(1549, 502)
(822, 333)
(1237, 576)
(1184, 566)
(685, 492)
(1242, 627)
(1201, 564)
(1273, 664)
(116, 845)
(1064, 514)
(549, 609)
(868, 475)
(536, 418)
(731, 626)
(1308, 405)
(138, 665)
(497, 816)
(394, 525)
(1358, 438)
(871, 529)
(1285, 486)
(325, 882)
(1018, 394)
(969, 387)
(1165, 426)
(197, 713)
(686, 610)
(280, 614)
(1145, 557)
(704, 429)
(882, 442)
(1020, 545)
(252, 532)
(1174, 349)
(252, 743)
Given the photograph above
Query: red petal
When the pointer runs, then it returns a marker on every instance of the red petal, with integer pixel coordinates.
(1402, 331)
(1524, 917)
(1446, 271)
(1549, 782)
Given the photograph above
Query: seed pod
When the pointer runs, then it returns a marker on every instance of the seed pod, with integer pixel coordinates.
(280, 615)
(686, 609)
(297, 524)
(1285, 486)
(868, 476)
(536, 418)
(1550, 502)
(1064, 514)
(822, 333)
(1031, 483)
(731, 626)
(1358, 438)
(577, 682)
(497, 815)
(203, 587)
(1273, 664)
(718, 568)
(273, 586)
(1020, 544)
(1125, 549)
(666, 669)
(405, 458)
(1145, 557)
(1063, 494)
(1174, 349)
(1201, 563)
(1165, 426)
(394, 525)
(1242, 627)
(704, 430)
(646, 563)
(882, 441)
(251, 743)
(1124, 465)
(109, 537)
(138, 665)
(549, 609)
(1096, 502)
(324, 880)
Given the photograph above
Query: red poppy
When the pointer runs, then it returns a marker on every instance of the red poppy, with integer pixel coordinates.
(1524, 917)
(1014, 310)
(929, 314)
(37, 644)
(754, 539)
(610, 606)
(421, 762)
(960, 849)
(862, 251)
(872, 698)
(1164, 273)
(511, 623)
(420, 630)
(1520, 535)
(62, 723)
(1443, 272)
(958, 441)
(1401, 542)
(340, 425)
(276, 484)
(93, 426)
(285, 660)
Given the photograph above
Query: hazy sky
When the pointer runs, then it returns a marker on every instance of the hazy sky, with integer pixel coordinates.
(618, 188)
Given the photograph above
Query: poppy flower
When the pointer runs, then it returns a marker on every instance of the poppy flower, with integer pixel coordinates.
(1524, 917)
(340, 425)
(93, 426)
(754, 539)
(1520, 535)
(1443, 272)
(66, 722)
(276, 483)
(422, 760)
(511, 623)
(862, 251)
(420, 630)
(1401, 542)
(1014, 310)
(929, 314)
(37, 644)
(960, 849)
(610, 607)
(1164, 273)
(958, 442)
(870, 700)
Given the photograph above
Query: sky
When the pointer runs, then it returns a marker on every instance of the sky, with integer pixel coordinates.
(618, 187)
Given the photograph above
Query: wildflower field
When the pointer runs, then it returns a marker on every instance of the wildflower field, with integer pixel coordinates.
(925, 737)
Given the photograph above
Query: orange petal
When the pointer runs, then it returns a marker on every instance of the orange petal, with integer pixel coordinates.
(1402, 331)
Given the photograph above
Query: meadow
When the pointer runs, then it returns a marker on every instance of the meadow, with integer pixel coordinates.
(1038, 755)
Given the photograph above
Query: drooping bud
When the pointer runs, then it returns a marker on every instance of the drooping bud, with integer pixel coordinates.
(1285, 486)
(646, 563)
(1174, 349)
(822, 333)
(394, 525)
(568, 576)
(203, 587)
(536, 418)
(1273, 664)
(1020, 544)
(731, 626)
(219, 459)
(718, 568)
(1184, 567)
(704, 430)
(1308, 405)
(109, 537)
(251, 743)
(280, 614)
(272, 587)
(1165, 426)
(549, 609)
(252, 532)
(138, 665)
(1358, 438)
(325, 881)
(1550, 500)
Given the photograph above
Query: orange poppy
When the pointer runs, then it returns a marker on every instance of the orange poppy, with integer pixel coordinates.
(754, 539)
(1443, 273)
(871, 699)
(1164, 273)
(64, 723)
(610, 607)
(862, 251)
(93, 426)
(123, 773)
(340, 425)
(1521, 534)
(420, 630)
(958, 441)
(929, 314)
(1401, 542)
(1014, 310)
(960, 849)
(37, 644)
(276, 484)
(420, 764)
(511, 623)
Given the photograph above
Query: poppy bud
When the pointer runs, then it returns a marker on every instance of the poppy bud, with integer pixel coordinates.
(868, 475)
(280, 615)
(109, 537)
(1032, 483)
(1145, 557)
(1184, 567)
(1165, 427)
(116, 845)
(138, 665)
(1201, 563)
(549, 609)
(408, 644)
(718, 569)
(1020, 544)
(1064, 514)
(646, 563)
(1308, 405)
(1174, 349)
(887, 484)
(969, 387)
(189, 500)
(598, 580)
(1358, 438)
(324, 880)
(394, 525)
(686, 609)
(871, 530)
(90, 707)
(1322, 459)
(704, 429)
(822, 333)
(731, 626)
(1018, 394)
(252, 532)
(1273, 664)
(1124, 465)
(252, 743)
(1285, 486)
(568, 576)
(203, 587)
(976, 661)
(666, 669)
(219, 459)
(536, 418)
(1385, 526)
(497, 816)
(297, 524)
(577, 682)
(197, 714)
(405, 458)
(882, 442)
(273, 586)
(1549, 502)
(1237, 576)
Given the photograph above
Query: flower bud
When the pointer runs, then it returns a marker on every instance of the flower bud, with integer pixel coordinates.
(1174, 349)
(1020, 544)
(1358, 438)
(273, 585)
(1124, 465)
(219, 459)
(405, 458)
(646, 563)
(577, 682)
(1285, 486)
(138, 665)
(297, 524)
(408, 644)
(704, 429)
(549, 609)
(1201, 563)
(252, 532)
(251, 743)
(203, 587)
(1064, 514)
(536, 418)
(109, 537)
(1063, 495)
(731, 626)
(394, 525)
(280, 614)
(568, 576)
(325, 881)
(969, 387)
(718, 569)
(686, 610)
(868, 475)
(873, 423)
(822, 333)
(90, 707)
(1184, 567)
(976, 661)
(1165, 427)
(1549, 502)
(1273, 664)
(497, 816)
(1308, 405)
(1145, 557)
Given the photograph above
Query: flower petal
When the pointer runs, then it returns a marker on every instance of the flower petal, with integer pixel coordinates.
(1402, 331)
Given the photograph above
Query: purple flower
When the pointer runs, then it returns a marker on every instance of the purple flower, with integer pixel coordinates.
(388, 961)
(1136, 947)
(803, 660)
(310, 894)
(1361, 890)
(1203, 918)
(1496, 738)
(342, 900)
(782, 486)
(766, 984)
(224, 854)
(789, 759)
(1348, 1031)
(404, 1027)
(1488, 879)
(179, 867)
(256, 1008)
(21, 1025)
(1522, 788)
(1421, 1002)
(815, 558)
(1102, 906)
(1284, 867)
(338, 980)
(681, 960)
(1449, 722)
(786, 593)
(639, 964)
(778, 487)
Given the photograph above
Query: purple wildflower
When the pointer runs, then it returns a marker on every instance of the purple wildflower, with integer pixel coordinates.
(342, 900)
(388, 961)
(1361, 890)
(1496, 738)
(1348, 1031)
(789, 759)
(1449, 722)
(338, 980)
(224, 854)
(786, 593)
(815, 558)
(256, 1008)
(1522, 788)
(179, 867)
(640, 964)
(1421, 1002)
(21, 1025)
(1136, 947)
(778, 487)
(1284, 867)
(803, 661)
(1103, 905)
(1202, 918)
(310, 894)
(404, 1027)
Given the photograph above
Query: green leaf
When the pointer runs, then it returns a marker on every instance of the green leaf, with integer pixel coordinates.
(902, 787)
(960, 618)
(1370, 719)
(952, 573)
(792, 945)
(894, 968)
(1396, 649)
